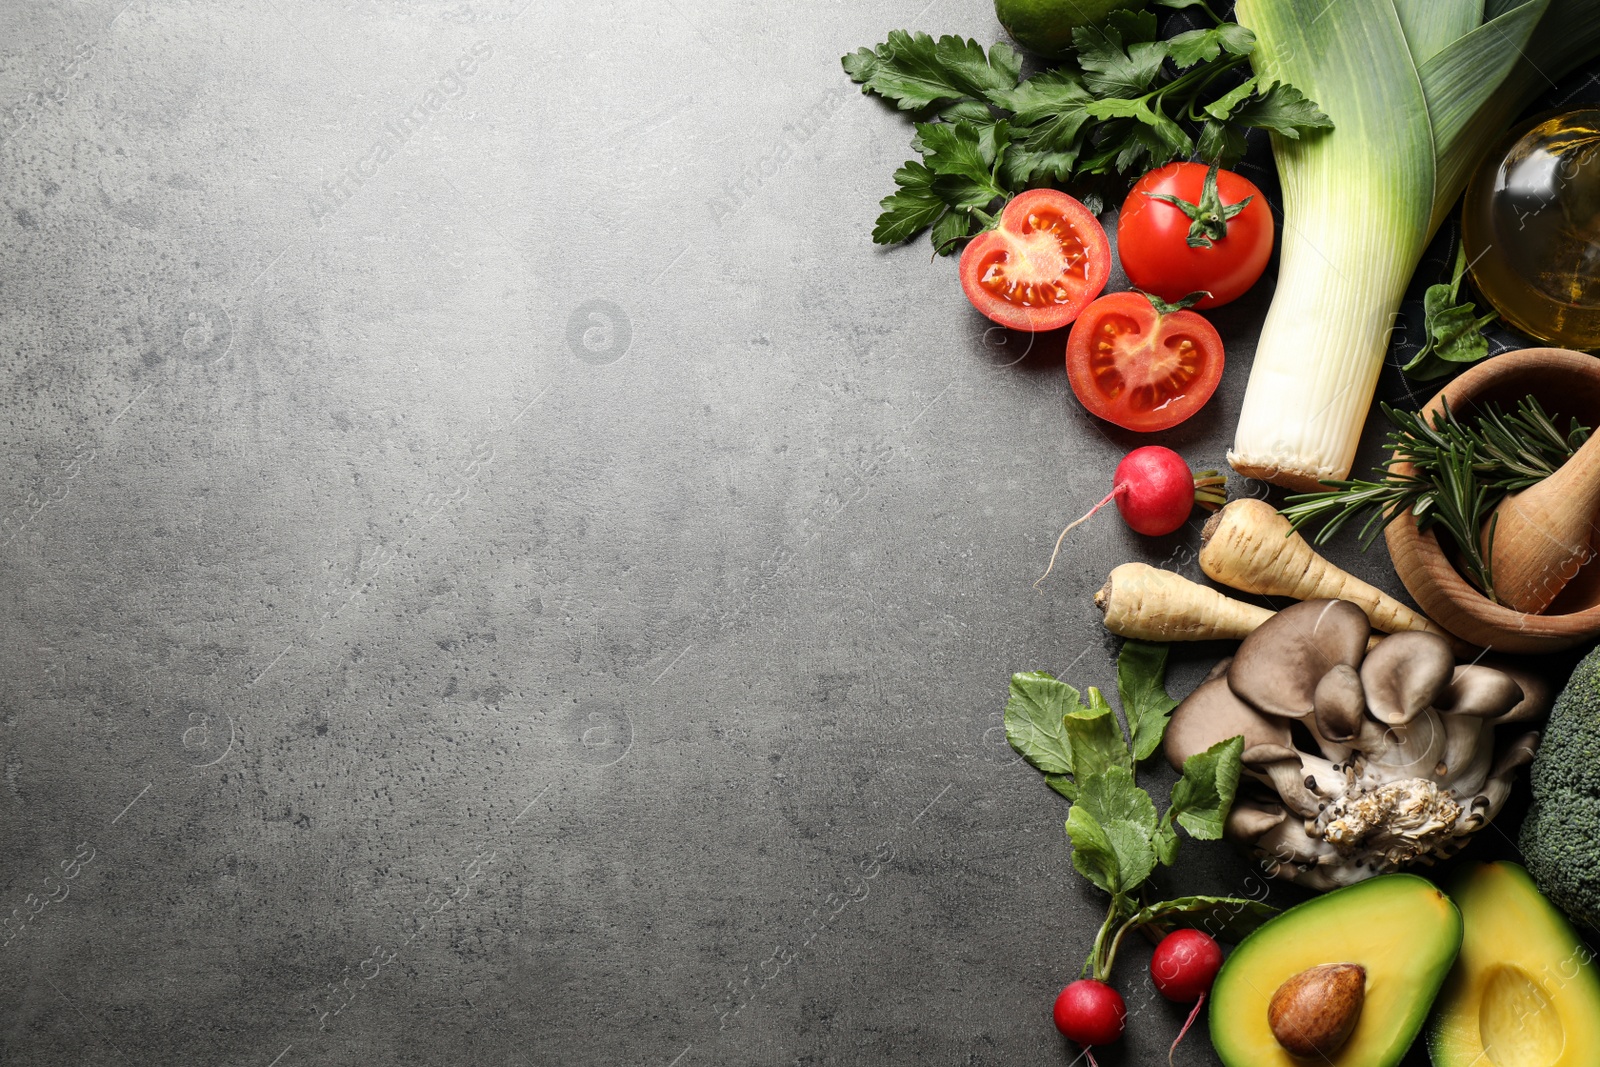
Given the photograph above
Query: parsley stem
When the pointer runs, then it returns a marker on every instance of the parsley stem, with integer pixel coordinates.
(1199, 77)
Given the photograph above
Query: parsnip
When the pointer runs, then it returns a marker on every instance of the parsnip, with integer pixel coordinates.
(1150, 604)
(1249, 546)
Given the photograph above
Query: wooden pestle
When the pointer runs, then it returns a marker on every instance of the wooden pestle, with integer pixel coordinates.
(1542, 534)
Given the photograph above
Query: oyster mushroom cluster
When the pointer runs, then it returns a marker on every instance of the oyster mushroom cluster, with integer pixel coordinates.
(1359, 761)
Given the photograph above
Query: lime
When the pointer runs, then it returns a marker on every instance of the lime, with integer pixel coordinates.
(1045, 26)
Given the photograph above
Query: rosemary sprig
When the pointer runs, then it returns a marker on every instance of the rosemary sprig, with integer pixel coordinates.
(1461, 473)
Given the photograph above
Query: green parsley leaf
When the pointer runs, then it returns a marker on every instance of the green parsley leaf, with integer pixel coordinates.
(910, 208)
(1121, 57)
(1223, 106)
(1229, 917)
(1221, 143)
(954, 148)
(1282, 109)
(1202, 797)
(974, 111)
(1168, 135)
(1044, 96)
(953, 226)
(1036, 720)
(1051, 111)
(1141, 685)
(1202, 46)
(1096, 741)
(914, 71)
(964, 157)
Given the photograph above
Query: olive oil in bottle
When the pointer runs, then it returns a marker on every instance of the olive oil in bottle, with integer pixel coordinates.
(1531, 226)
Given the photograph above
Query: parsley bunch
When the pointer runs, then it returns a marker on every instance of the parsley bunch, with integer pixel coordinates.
(1125, 101)
(1117, 837)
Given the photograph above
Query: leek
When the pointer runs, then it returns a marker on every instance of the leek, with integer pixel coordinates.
(1418, 90)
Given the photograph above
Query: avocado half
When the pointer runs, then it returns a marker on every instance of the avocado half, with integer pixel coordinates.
(1401, 928)
(1524, 992)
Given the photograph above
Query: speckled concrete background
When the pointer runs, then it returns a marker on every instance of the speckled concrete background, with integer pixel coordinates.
(499, 569)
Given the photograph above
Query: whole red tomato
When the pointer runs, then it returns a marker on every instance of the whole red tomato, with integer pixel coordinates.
(1175, 236)
(1042, 263)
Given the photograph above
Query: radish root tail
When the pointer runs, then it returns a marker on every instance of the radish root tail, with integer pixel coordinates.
(1109, 497)
(1187, 1023)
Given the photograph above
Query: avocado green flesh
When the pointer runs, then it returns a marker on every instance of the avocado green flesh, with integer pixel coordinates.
(1045, 26)
(1524, 991)
(1401, 928)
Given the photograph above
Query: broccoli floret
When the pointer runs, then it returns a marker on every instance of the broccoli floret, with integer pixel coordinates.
(1561, 835)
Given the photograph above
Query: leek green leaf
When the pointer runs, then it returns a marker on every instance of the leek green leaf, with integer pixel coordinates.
(1417, 90)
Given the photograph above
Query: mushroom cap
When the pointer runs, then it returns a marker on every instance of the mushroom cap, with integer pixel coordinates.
(1537, 691)
(1277, 668)
(1483, 692)
(1339, 703)
(1405, 673)
(1250, 818)
(1212, 713)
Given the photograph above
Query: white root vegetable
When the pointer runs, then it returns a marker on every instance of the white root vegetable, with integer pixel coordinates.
(1249, 546)
(1150, 604)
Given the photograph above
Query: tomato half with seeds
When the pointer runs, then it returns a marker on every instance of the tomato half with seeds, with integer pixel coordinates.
(1040, 265)
(1142, 366)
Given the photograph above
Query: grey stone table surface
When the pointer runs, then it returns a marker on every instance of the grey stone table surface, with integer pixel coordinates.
(499, 569)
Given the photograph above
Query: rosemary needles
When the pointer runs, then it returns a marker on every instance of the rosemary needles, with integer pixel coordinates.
(1460, 471)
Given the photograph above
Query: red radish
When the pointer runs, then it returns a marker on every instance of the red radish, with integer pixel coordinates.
(1183, 967)
(1155, 491)
(1090, 1012)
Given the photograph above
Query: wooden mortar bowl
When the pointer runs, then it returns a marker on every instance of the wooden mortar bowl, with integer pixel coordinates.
(1568, 385)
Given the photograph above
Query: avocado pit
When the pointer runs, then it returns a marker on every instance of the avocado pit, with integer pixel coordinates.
(1313, 1013)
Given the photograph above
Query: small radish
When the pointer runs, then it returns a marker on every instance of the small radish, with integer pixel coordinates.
(1183, 967)
(1090, 1013)
(1155, 491)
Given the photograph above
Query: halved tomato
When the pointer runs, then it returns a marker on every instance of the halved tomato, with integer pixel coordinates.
(1040, 265)
(1141, 367)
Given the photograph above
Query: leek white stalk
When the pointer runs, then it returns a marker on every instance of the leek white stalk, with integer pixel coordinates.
(1417, 90)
